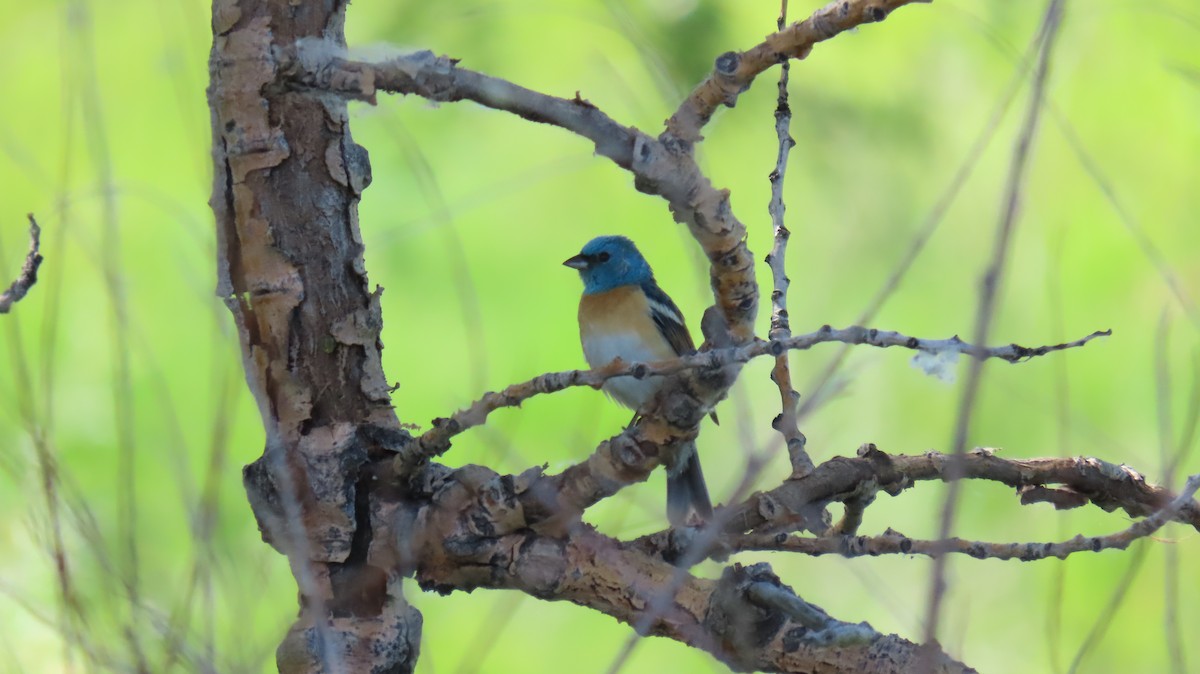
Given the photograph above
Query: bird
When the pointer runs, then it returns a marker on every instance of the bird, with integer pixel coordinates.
(624, 314)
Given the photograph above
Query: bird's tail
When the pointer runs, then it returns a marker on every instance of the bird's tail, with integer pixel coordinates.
(686, 490)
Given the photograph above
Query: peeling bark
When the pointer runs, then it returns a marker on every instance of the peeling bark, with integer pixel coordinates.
(287, 179)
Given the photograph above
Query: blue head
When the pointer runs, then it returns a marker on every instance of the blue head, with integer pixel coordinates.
(608, 262)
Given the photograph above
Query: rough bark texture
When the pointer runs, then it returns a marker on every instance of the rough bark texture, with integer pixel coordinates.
(286, 181)
(469, 528)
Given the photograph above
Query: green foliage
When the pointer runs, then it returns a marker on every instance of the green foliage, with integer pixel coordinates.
(104, 135)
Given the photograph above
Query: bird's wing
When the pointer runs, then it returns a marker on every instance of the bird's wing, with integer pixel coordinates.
(669, 320)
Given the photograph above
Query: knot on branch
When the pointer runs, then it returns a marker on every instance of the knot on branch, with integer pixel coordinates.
(886, 477)
(875, 13)
(631, 456)
(651, 165)
(727, 63)
(381, 439)
(469, 532)
(317, 482)
(743, 625)
(683, 546)
(751, 606)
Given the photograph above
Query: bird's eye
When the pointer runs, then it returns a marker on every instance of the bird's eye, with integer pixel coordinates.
(603, 257)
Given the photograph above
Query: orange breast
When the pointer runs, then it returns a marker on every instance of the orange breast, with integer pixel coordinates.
(617, 324)
(622, 314)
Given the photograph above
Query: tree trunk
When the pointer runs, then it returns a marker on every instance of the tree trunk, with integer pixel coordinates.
(286, 182)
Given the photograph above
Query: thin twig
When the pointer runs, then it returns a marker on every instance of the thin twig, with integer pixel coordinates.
(436, 440)
(28, 275)
(786, 423)
(735, 71)
(93, 109)
(1191, 423)
(987, 300)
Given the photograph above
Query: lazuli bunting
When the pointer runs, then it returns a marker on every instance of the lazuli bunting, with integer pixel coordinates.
(624, 314)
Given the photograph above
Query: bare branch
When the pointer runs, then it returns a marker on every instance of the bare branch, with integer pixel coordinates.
(734, 71)
(437, 440)
(786, 423)
(844, 479)
(894, 543)
(28, 275)
(438, 78)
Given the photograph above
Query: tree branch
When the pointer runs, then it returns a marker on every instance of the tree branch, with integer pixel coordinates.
(894, 543)
(28, 275)
(436, 440)
(789, 399)
(748, 619)
(791, 505)
(735, 71)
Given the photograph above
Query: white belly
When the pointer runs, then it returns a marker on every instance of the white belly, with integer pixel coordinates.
(600, 350)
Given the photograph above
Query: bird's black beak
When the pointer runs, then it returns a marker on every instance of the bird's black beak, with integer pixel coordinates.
(579, 262)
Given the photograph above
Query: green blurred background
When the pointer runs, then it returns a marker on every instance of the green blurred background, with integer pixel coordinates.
(123, 357)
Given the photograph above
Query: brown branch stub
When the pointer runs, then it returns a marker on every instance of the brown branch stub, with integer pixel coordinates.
(733, 72)
(28, 275)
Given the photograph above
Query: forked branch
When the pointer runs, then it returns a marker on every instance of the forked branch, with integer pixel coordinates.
(894, 543)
